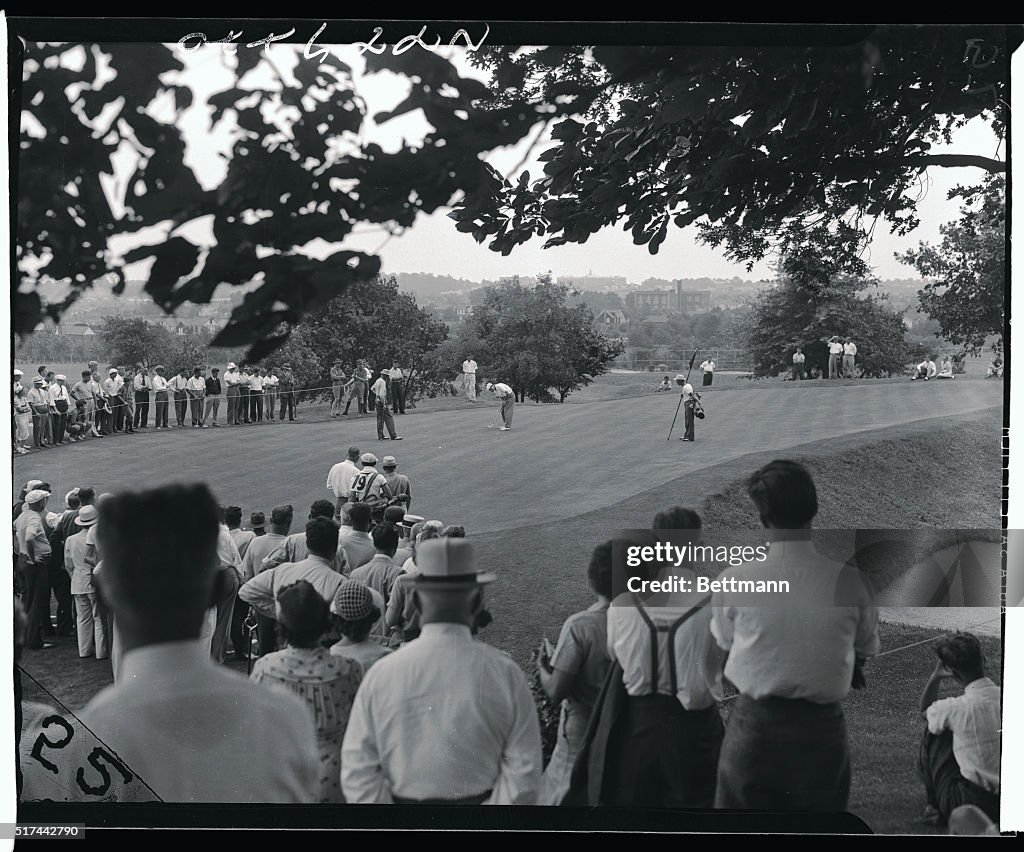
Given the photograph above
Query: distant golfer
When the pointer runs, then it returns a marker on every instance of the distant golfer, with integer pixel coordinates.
(708, 369)
(689, 406)
(508, 403)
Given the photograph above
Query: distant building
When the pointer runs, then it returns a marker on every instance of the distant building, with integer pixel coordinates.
(675, 300)
(613, 318)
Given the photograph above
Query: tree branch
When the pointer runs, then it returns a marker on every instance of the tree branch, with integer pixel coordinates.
(957, 161)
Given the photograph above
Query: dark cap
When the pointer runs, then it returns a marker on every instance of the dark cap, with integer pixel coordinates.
(257, 520)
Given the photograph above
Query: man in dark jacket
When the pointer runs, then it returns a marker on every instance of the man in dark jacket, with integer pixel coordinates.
(213, 395)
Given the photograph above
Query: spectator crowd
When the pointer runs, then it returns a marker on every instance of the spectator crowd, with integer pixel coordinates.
(52, 409)
(370, 681)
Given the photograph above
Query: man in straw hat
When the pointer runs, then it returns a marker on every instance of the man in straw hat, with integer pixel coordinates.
(92, 634)
(445, 719)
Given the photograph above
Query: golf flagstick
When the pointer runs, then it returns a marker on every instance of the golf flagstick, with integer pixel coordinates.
(693, 358)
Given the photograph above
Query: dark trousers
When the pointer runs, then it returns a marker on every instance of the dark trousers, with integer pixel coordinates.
(384, 418)
(238, 634)
(287, 402)
(359, 395)
(944, 786)
(267, 628)
(195, 404)
(398, 396)
(662, 756)
(60, 426)
(687, 421)
(161, 408)
(243, 405)
(708, 378)
(798, 372)
(35, 585)
(60, 583)
(39, 422)
(180, 407)
(784, 754)
(219, 642)
(256, 405)
(118, 412)
(233, 397)
(141, 409)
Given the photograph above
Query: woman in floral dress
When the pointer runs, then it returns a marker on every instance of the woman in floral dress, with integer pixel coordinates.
(326, 683)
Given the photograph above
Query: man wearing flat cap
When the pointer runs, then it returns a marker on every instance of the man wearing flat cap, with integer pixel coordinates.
(444, 719)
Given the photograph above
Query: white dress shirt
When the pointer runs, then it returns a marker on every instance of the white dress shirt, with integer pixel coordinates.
(975, 720)
(850, 348)
(261, 591)
(75, 547)
(178, 383)
(803, 646)
(197, 385)
(159, 383)
(698, 659)
(198, 732)
(501, 390)
(232, 378)
(380, 390)
(294, 549)
(708, 366)
(256, 382)
(141, 382)
(339, 478)
(469, 366)
(443, 717)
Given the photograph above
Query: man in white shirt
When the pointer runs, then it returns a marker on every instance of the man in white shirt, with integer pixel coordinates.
(505, 395)
(141, 387)
(396, 379)
(689, 407)
(356, 543)
(160, 387)
(958, 762)
(339, 479)
(195, 387)
(849, 354)
(792, 661)
(270, 384)
(384, 415)
(60, 405)
(244, 400)
(798, 364)
(444, 719)
(708, 369)
(398, 483)
(256, 380)
(232, 378)
(469, 378)
(835, 356)
(178, 385)
(229, 564)
(317, 569)
(112, 389)
(294, 548)
(926, 370)
(252, 564)
(191, 730)
(380, 572)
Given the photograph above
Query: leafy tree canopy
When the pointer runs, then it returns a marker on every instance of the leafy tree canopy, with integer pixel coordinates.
(299, 170)
(967, 295)
(789, 315)
(765, 149)
(536, 343)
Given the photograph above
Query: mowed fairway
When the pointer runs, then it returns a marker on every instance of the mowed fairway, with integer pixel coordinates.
(558, 461)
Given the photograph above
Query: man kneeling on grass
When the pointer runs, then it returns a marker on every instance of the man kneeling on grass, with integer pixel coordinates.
(959, 758)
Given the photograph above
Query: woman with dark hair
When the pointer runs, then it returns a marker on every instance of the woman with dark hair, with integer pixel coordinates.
(573, 674)
(355, 613)
(326, 683)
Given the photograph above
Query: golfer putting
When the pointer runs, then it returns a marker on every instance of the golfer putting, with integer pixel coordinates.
(503, 393)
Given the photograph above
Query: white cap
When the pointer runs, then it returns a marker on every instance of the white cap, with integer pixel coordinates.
(18, 373)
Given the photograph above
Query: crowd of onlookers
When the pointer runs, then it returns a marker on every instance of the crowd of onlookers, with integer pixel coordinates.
(370, 683)
(51, 409)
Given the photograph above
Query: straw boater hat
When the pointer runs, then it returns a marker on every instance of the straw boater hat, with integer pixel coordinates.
(87, 516)
(448, 563)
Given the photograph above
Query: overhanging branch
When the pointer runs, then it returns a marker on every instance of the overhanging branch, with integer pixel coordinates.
(958, 161)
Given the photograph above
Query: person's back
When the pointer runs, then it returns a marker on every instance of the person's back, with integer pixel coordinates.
(192, 739)
(192, 730)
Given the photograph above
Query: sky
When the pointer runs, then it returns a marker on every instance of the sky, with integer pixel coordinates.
(433, 245)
